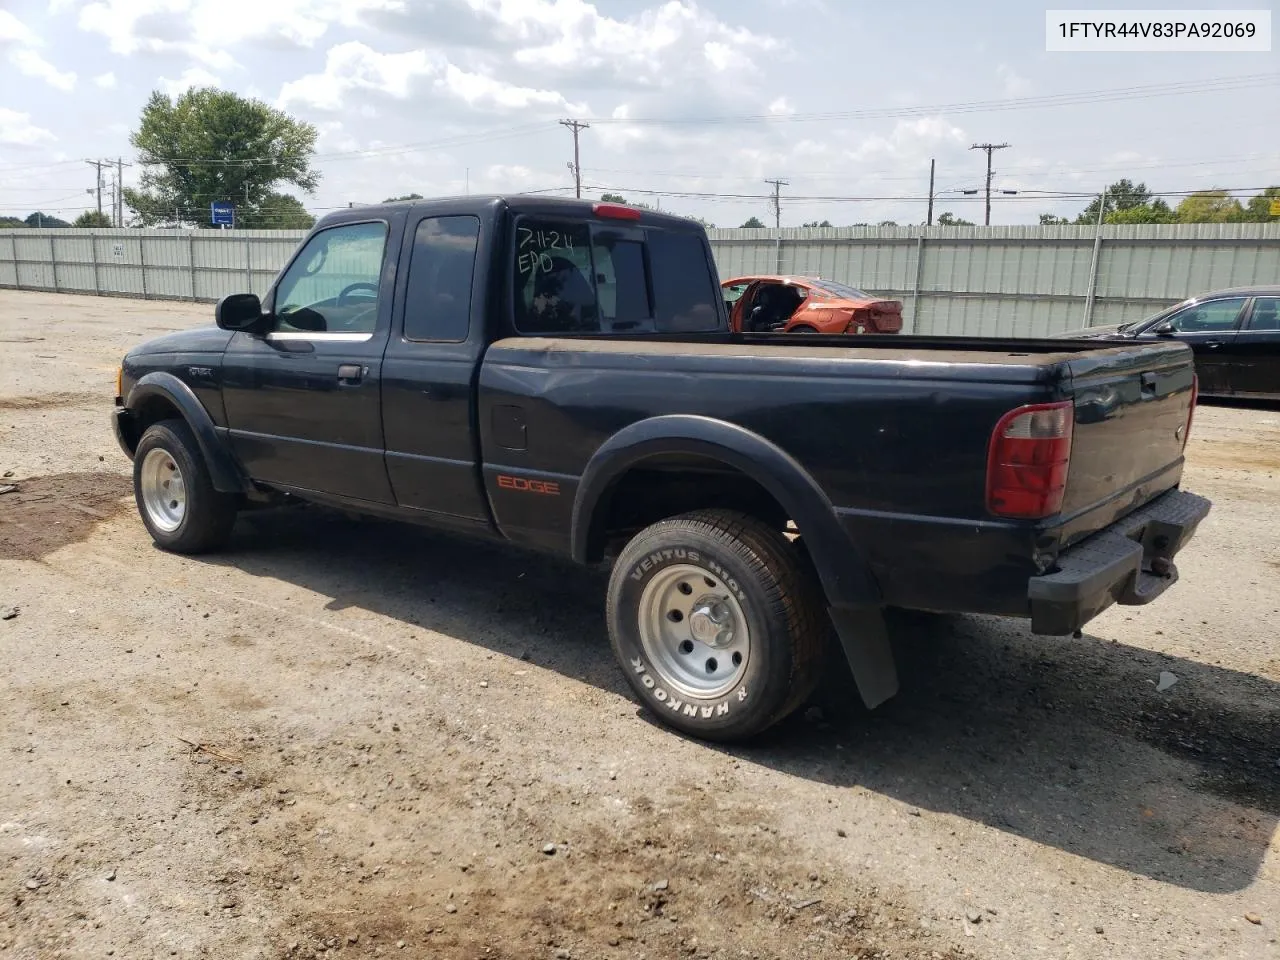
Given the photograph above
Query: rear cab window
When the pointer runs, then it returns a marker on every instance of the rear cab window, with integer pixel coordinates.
(582, 277)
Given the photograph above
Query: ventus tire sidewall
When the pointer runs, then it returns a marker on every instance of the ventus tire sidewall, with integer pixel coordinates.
(759, 694)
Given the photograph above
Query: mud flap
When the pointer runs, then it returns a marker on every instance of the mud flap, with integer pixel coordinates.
(865, 639)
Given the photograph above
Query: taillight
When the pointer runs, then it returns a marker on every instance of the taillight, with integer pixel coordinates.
(1028, 459)
(1195, 396)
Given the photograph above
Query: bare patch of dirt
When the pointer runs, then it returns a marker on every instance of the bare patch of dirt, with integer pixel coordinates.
(685, 871)
(47, 513)
(46, 401)
(1231, 455)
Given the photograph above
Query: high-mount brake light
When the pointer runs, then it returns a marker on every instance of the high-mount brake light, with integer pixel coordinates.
(615, 211)
(1028, 459)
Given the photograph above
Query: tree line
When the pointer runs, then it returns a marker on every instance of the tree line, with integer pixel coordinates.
(1128, 202)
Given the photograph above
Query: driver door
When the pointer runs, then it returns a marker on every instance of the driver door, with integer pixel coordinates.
(1209, 329)
(303, 401)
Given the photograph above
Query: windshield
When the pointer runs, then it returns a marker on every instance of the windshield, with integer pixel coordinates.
(840, 290)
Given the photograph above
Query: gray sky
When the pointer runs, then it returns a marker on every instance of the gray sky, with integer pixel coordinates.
(410, 95)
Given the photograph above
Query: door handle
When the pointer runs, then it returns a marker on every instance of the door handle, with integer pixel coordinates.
(1213, 344)
(351, 373)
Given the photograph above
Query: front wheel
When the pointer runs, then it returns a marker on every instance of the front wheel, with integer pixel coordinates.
(716, 623)
(175, 495)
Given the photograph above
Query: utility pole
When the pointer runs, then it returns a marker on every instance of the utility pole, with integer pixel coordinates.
(929, 223)
(577, 126)
(989, 148)
(97, 183)
(777, 199)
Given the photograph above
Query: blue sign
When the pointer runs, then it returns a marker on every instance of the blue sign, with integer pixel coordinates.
(222, 214)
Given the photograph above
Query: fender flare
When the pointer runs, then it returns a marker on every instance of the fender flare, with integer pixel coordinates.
(846, 577)
(224, 471)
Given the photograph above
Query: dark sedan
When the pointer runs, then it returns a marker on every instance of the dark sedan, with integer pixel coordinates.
(1235, 335)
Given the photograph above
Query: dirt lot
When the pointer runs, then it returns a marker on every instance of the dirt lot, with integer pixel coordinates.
(347, 739)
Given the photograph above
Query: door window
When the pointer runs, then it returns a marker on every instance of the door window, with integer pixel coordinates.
(1266, 314)
(1212, 316)
(332, 286)
(442, 265)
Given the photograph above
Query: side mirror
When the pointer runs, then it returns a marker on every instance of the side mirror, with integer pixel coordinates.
(1164, 329)
(240, 312)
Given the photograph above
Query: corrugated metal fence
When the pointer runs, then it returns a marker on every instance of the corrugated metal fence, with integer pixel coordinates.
(978, 281)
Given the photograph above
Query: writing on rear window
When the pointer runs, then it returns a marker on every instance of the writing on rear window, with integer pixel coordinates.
(537, 247)
(584, 278)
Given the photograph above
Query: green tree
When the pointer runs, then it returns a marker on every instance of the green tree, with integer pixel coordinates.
(815, 223)
(948, 219)
(92, 218)
(619, 198)
(1210, 206)
(8, 223)
(1049, 220)
(211, 145)
(39, 219)
(754, 223)
(1121, 195)
(1258, 209)
(407, 196)
(278, 211)
(1157, 211)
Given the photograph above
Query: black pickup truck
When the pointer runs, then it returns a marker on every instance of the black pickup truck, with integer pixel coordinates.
(561, 375)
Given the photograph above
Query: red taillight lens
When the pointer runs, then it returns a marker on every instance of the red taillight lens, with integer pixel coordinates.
(616, 211)
(1195, 396)
(1028, 459)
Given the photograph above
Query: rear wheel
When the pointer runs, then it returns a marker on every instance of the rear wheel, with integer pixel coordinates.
(716, 623)
(802, 328)
(174, 492)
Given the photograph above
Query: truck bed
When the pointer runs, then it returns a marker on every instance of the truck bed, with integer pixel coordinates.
(894, 429)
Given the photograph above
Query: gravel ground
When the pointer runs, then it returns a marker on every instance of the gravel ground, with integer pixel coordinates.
(347, 738)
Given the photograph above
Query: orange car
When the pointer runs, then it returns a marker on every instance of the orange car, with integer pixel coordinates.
(806, 305)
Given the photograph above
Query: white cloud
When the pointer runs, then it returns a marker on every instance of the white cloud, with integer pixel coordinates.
(118, 20)
(107, 81)
(13, 30)
(354, 66)
(573, 35)
(718, 54)
(300, 21)
(32, 64)
(191, 77)
(17, 129)
(1014, 85)
(205, 29)
(475, 88)
(781, 107)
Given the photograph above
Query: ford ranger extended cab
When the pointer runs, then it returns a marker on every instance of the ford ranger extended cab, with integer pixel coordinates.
(561, 375)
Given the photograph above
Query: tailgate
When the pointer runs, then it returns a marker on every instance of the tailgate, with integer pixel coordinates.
(1131, 407)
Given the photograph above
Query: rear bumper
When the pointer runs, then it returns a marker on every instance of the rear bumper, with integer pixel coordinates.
(1129, 562)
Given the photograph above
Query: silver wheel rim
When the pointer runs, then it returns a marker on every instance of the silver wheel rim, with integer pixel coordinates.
(164, 493)
(694, 632)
